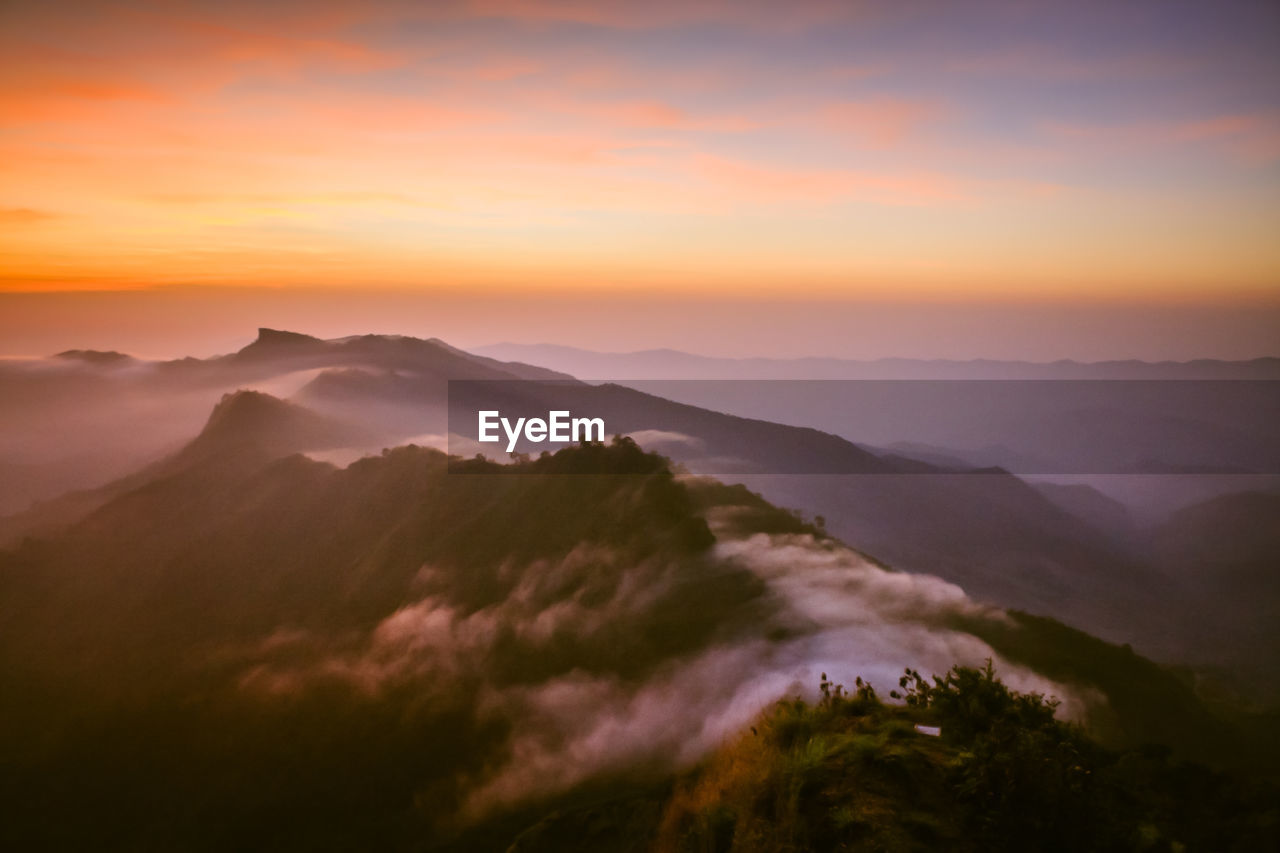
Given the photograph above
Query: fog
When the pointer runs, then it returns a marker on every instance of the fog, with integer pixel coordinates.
(830, 611)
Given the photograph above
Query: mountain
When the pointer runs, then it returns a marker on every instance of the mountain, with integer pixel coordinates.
(393, 352)
(1087, 503)
(81, 419)
(1226, 550)
(257, 423)
(247, 426)
(991, 533)
(1231, 533)
(1031, 427)
(1066, 420)
(97, 357)
(248, 648)
(218, 652)
(987, 531)
(966, 764)
(674, 364)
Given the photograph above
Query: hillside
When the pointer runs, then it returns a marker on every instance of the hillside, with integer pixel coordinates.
(243, 640)
(245, 428)
(263, 651)
(81, 419)
(966, 764)
(956, 762)
(1226, 551)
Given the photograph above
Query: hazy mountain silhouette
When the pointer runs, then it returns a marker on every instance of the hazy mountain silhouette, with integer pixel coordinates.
(1033, 427)
(244, 428)
(82, 418)
(674, 364)
(1226, 550)
(98, 357)
(1097, 509)
(386, 352)
(257, 423)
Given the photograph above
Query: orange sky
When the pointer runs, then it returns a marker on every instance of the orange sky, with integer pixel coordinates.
(848, 150)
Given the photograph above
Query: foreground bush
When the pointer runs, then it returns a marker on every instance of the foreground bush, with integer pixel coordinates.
(853, 773)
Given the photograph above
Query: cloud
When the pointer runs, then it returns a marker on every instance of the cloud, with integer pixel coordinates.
(500, 69)
(880, 123)
(539, 658)
(767, 183)
(1249, 138)
(1252, 138)
(41, 93)
(1048, 61)
(848, 618)
(670, 721)
(662, 115)
(25, 215)
(632, 15)
(335, 197)
(655, 439)
(113, 54)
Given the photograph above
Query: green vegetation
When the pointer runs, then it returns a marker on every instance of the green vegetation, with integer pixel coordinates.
(129, 643)
(853, 773)
(1146, 703)
(243, 652)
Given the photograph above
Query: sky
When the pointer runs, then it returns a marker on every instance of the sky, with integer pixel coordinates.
(1013, 163)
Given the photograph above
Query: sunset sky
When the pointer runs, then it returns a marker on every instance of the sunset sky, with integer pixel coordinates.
(1006, 152)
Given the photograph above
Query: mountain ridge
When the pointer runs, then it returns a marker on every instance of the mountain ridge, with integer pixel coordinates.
(655, 364)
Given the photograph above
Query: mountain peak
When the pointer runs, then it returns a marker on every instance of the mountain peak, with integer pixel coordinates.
(243, 406)
(252, 417)
(278, 336)
(275, 341)
(244, 414)
(93, 356)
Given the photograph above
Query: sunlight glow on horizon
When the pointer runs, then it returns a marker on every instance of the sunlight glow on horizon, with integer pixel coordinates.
(862, 150)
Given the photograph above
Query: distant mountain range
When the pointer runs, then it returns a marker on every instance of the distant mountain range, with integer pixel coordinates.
(674, 364)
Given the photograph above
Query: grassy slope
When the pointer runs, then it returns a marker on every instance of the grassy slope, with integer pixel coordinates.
(852, 774)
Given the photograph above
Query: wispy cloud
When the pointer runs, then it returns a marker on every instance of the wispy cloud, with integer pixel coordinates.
(1250, 138)
(880, 122)
(632, 15)
(25, 215)
(829, 609)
